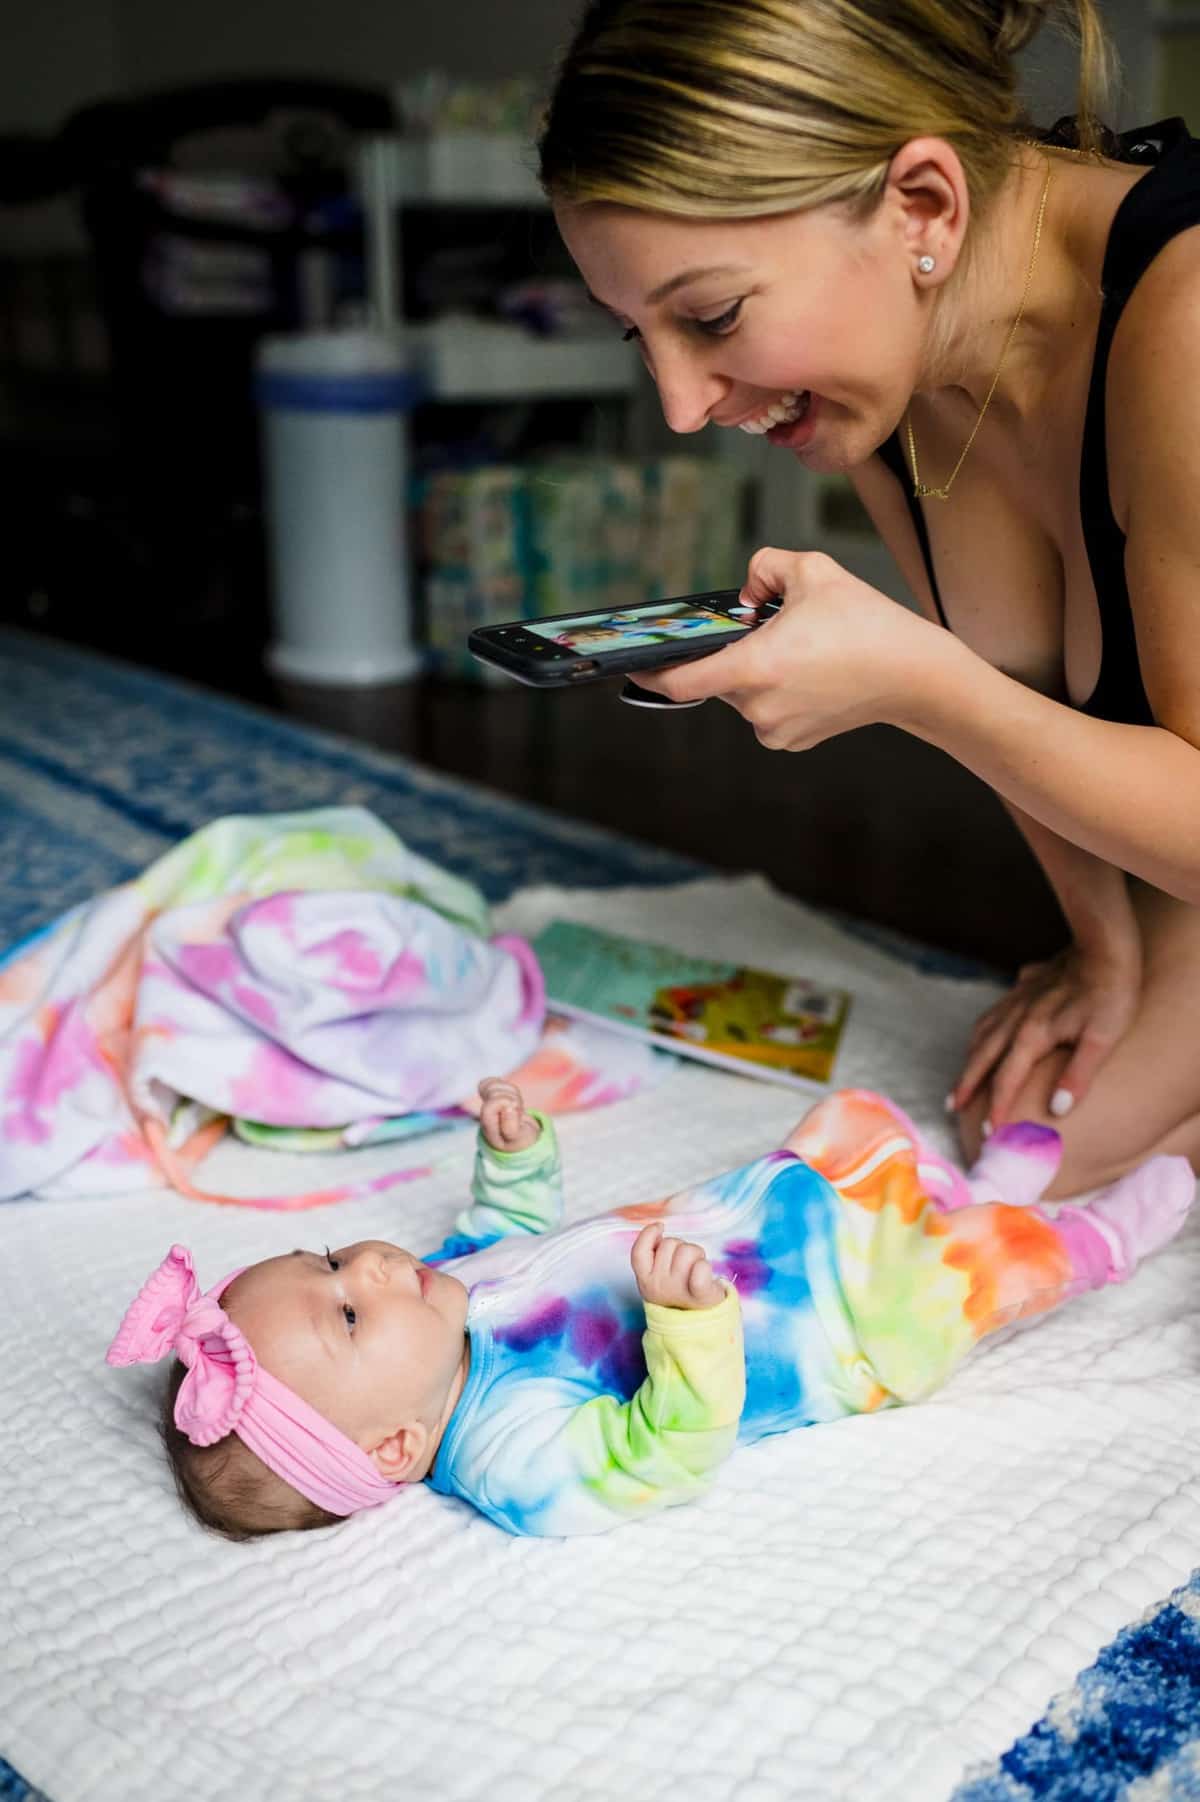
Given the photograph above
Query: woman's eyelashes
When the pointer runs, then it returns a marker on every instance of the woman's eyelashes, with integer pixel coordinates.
(712, 328)
(724, 322)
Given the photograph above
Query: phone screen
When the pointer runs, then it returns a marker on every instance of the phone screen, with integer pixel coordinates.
(628, 628)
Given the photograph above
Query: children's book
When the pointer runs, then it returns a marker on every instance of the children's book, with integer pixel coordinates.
(781, 1028)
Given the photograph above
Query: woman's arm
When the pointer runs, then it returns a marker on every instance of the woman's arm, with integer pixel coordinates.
(1094, 895)
(840, 655)
(1129, 795)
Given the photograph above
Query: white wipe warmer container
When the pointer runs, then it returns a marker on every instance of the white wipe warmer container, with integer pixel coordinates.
(333, 407)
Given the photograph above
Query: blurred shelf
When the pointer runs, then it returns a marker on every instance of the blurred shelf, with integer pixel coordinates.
(463, 168)
(479, 359)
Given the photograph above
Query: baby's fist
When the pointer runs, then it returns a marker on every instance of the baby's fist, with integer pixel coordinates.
(673, 1272)
(502, 1118)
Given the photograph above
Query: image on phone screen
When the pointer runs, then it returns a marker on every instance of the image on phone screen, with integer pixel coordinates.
(628, 628)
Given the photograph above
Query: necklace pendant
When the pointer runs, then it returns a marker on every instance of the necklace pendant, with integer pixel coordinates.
(923, 492)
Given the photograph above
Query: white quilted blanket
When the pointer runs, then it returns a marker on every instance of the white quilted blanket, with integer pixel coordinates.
(858, 1611)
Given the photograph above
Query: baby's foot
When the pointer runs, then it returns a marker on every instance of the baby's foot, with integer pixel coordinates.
(1142, 1211)
(1017, 1164)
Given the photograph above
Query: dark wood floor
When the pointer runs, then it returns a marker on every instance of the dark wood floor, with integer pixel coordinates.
(874, 823)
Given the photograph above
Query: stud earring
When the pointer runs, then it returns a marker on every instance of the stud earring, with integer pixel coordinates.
(926, 265)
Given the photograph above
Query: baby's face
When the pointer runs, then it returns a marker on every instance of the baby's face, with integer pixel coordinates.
(366, 1334)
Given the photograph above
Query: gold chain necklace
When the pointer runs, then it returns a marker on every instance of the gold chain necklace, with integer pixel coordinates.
(921, 489)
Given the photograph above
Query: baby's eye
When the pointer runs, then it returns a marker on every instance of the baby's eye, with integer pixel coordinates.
(631, 333)
(349, 1314)
(334, 1263)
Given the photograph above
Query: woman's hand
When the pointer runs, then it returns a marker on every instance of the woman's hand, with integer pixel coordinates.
(838, 654)
(1083, 1000)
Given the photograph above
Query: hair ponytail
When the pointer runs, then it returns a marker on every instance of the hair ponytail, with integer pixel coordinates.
(1018, 23)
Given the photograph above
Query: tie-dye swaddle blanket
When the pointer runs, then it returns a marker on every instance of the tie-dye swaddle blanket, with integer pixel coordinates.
(304, 975)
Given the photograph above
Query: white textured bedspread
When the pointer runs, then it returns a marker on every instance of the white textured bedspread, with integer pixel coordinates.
(857, 1611)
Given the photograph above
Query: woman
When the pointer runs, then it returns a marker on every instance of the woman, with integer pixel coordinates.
(825, 219)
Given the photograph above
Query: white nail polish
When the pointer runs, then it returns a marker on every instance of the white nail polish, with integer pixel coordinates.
(986, 1129)
(948, 1104)
(1061, 1102)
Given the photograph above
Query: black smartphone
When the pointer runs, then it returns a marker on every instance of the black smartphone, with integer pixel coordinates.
(567, 648)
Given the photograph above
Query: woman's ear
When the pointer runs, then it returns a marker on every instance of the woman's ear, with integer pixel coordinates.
(398, 1457)
(928, 191)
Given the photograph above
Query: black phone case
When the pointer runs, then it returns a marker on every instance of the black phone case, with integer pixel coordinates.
(604, 667)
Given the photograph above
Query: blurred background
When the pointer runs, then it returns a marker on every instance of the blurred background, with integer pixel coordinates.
(297, 385)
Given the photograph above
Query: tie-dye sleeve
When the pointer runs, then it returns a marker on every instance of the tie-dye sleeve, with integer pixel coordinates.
(515, 1191)
(555, 1470)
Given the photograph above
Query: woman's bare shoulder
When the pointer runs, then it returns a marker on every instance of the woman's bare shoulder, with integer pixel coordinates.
(1153, 394)
(1153, 442)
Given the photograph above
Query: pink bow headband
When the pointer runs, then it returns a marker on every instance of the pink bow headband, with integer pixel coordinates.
(227, 1391)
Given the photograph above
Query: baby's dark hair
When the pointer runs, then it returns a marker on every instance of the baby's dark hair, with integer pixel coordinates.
(227, 1487)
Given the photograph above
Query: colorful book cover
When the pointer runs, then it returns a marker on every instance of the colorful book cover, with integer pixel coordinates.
(781, 1028)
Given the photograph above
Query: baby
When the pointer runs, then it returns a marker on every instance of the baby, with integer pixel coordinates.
(565, 1379)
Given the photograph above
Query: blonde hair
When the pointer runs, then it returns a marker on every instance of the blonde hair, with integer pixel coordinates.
(227, 1488)
(728, 109)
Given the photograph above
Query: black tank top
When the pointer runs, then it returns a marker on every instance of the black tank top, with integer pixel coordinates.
(1165, 202)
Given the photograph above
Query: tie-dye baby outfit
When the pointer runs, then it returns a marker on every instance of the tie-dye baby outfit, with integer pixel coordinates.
(860, 1268)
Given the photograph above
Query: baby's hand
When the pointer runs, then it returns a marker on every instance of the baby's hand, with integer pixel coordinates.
(502, 1118)
(672, 1272)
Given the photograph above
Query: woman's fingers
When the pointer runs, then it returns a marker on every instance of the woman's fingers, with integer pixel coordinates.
(989, 1023)
(772, 572)
(703, 679)
(1091, 1051)
(1012, 1006)
(984, 1052)
(1073, 1002)
(1030, 1045)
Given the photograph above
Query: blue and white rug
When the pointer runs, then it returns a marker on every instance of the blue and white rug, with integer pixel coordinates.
(103, 767)
(1127, 1731)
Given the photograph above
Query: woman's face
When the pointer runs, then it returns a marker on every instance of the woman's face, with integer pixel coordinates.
(737, 319)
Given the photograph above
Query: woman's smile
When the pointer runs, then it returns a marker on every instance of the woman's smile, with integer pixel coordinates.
(790, 406)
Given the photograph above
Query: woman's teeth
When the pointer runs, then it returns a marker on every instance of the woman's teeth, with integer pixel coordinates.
(785, 411)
